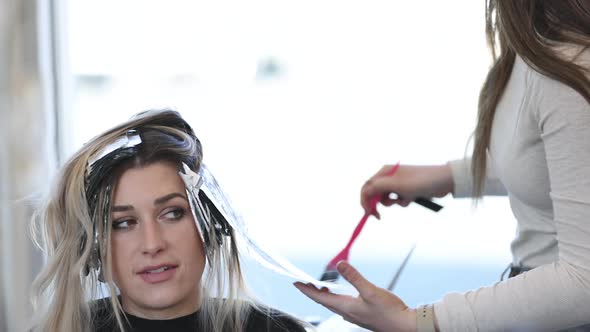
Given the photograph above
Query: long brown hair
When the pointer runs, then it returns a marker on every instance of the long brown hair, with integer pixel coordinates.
(532, 29)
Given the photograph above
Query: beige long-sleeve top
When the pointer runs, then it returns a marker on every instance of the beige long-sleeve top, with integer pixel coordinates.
(539, 157)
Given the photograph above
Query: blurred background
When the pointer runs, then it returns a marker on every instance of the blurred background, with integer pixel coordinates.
(296, 103)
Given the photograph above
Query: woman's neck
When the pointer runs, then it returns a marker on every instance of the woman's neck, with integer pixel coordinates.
(185, 308)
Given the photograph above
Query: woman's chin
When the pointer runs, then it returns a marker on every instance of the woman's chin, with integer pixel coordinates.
(161, 304)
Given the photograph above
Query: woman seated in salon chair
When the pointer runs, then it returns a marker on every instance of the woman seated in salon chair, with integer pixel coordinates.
(136, 212)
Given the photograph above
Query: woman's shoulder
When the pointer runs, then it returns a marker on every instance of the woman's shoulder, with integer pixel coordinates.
(272, 320)
(259, 319)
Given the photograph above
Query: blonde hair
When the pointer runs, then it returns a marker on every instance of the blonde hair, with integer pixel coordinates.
(63, 290)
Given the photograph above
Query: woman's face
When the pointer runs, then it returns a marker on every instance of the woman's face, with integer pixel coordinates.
(158, 255)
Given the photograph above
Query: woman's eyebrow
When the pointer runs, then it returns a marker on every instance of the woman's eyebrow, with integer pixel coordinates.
(157, 201)
(168, 197)
(122, 208)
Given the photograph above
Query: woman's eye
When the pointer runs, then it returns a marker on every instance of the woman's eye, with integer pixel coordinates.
(123, 224)
(174, 214)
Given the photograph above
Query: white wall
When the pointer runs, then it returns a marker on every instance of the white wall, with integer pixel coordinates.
(359, 84)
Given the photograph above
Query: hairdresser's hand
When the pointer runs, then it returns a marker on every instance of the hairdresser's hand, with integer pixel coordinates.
(407, 184)
(375, 308)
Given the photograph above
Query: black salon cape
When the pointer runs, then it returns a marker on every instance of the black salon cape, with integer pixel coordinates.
(256, 322)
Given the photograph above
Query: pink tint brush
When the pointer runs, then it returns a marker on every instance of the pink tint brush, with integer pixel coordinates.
(331, 273)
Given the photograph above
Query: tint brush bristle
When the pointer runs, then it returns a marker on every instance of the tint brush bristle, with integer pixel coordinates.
(331, 275)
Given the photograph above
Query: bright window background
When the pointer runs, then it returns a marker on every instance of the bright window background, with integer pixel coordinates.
(297, 103)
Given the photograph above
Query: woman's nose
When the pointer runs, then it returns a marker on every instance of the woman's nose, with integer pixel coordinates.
(153, 239)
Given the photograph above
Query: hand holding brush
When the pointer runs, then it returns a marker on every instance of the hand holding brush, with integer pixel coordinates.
(331, 273)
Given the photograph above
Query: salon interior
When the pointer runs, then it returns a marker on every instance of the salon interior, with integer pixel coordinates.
(296, 103)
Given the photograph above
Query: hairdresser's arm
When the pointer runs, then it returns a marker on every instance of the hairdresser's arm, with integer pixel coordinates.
(412, 181)
(374, 308)
(463, 179)
(553, 296)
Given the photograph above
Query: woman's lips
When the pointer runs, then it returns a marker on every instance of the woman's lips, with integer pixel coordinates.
(157, 274)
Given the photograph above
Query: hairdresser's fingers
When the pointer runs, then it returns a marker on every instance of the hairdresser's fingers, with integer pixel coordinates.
(404, 202)
(369, 191)
(376, 214)
(386, 185)
(385, 188)
(366, 289)
(389, 202)
(384, 171)
(364, 194)
(335, 302)
(365, 199)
